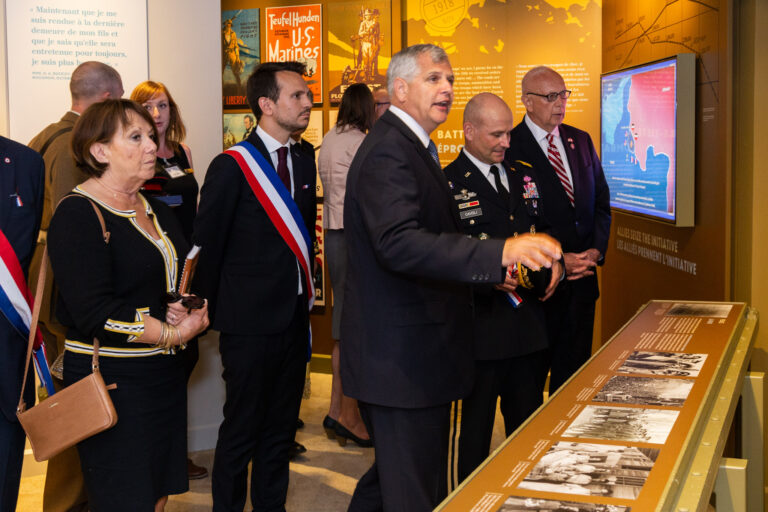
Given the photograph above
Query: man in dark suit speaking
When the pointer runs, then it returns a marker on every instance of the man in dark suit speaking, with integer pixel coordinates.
(575, 201)
(256, 227)
(407, 320)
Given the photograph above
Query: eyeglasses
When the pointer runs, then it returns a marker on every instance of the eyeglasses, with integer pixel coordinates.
(381, 103)
(551, 97)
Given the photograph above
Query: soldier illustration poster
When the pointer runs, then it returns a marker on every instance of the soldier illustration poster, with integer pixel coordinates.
(239, 54)
(360, 45)
(295, 33)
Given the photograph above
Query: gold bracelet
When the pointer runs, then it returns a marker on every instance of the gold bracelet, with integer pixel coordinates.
(160, 338)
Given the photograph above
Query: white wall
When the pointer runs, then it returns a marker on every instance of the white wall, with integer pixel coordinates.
(185, 54)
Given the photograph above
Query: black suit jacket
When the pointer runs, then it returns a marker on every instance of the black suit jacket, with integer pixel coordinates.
(246, 270)
(406, 324)
(21, 172)
(501, 331)
(588, 224)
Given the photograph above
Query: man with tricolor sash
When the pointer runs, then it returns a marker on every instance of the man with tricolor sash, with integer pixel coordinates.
(21, 205)
(255, 225)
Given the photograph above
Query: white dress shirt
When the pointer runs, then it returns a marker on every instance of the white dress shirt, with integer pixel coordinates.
(272, 146)
(541, 137)
(412, 124)
(486, 170)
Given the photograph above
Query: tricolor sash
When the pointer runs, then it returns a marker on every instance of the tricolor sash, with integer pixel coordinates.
(512, 297)
(16, 306)
(279, 205)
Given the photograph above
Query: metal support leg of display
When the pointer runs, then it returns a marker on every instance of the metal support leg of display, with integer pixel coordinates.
(731, 486)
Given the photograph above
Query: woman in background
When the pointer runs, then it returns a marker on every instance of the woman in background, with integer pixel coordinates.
(356, 116)
(112, 289)
(174, 183)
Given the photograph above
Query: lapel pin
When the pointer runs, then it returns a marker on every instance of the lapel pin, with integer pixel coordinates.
(7, 160)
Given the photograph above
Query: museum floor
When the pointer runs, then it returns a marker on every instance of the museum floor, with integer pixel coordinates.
(322, 480)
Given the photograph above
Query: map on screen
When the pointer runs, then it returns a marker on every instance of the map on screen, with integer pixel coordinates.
(639, 138)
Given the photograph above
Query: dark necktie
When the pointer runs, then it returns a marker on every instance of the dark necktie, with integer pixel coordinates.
(557, 164)
(433, 151)
(282, 167)
(503, 193)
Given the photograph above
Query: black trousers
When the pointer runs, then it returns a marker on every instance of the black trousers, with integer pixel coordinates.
(11, 458)
(409, 473)
(264, 377)
(519, 382)
(570, 324)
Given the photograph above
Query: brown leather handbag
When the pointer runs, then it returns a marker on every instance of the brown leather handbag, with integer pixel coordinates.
(76, 412)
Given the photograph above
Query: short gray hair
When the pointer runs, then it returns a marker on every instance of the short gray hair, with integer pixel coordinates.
(91, 79)
(404, 64)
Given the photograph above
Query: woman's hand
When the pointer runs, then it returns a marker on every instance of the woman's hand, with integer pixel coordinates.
(193, 323)
(176, 313)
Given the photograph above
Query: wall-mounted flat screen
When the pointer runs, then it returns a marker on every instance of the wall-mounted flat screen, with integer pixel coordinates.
(647, 142)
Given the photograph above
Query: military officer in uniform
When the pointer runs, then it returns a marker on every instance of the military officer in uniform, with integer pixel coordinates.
(510, 341)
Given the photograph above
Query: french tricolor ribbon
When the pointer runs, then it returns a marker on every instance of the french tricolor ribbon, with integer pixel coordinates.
(16, 307)
(513, 297)
(281, 209)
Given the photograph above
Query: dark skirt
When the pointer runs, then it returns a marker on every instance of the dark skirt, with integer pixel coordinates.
(142, 458)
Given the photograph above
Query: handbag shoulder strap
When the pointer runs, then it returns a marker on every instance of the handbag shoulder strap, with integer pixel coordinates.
(38, 300)
(54, 137)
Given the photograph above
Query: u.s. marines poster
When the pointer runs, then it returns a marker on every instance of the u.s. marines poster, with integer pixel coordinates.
(359, 45)
(295, 33)
(239, 54)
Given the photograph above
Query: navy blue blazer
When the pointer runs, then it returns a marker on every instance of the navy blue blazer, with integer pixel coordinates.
(588, 224)
(246, 270)
(407, 323)
(22, 174)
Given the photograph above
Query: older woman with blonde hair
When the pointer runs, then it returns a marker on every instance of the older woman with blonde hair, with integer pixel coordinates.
(111, 289)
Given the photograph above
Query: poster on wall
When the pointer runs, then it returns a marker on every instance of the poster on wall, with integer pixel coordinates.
(492, 44)
(48, 39)
(319, 271)
(359, 45)
(295, 33)
(239, 54)
(237, 128)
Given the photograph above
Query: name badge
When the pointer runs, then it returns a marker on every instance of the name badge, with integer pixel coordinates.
(468, 214)
(175, 171)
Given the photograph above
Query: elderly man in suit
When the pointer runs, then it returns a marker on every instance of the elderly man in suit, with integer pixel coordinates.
(256, 225)
(510, 329)
(575, 201)
(407, 322)
(21, 189)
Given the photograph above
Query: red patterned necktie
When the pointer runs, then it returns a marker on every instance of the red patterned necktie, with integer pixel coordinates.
(282, 167)
(557, 163)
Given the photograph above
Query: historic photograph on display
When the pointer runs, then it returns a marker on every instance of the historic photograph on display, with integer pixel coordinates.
(702, 310)
(319, 275)
(359, 45)
(239, 54)
(295, 33)
(664, 363)
(623, 424)
(591, 470)
(237, 128)
(527, 504)
(645, 391)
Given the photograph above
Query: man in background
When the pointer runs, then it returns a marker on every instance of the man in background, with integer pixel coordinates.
(510, 337)
(407, 349)
(380, 101)
(575, 202)
(91, 82)
(259, 289)
(21, 206)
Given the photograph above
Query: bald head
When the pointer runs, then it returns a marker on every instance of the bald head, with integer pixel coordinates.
(536, 85)
(487, 123)
(94, 81)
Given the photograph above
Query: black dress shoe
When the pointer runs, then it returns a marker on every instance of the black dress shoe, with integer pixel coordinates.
(195, 472)
(296, 450)
(342, 434)
(299, 423)
(329, 424)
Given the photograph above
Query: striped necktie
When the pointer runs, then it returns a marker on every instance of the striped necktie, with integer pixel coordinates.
(433, 151)
(557, 163)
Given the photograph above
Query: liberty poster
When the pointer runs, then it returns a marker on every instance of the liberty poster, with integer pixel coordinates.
(239, 54)
(359, 45)
(295, 33)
